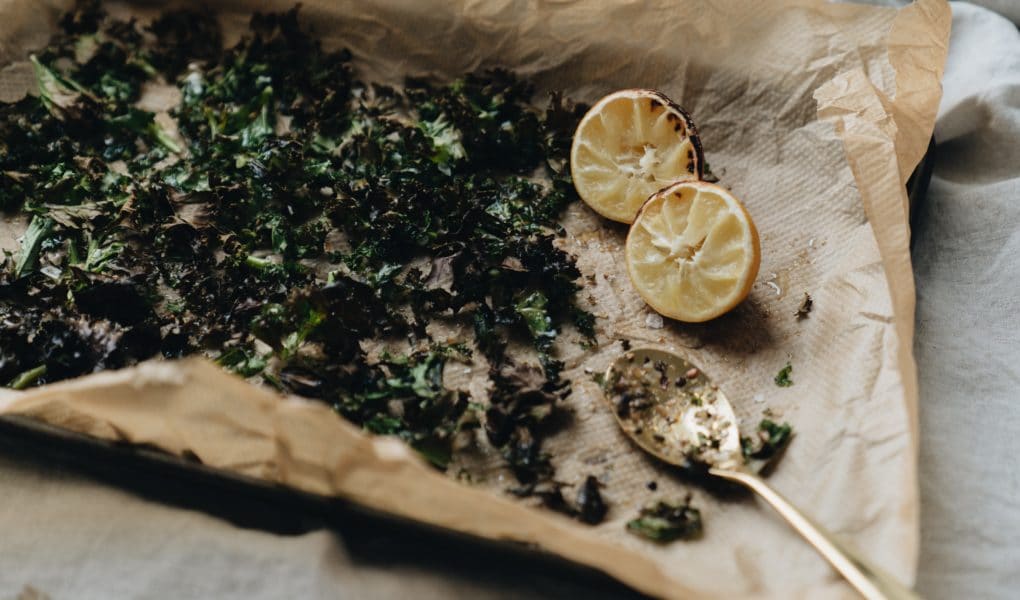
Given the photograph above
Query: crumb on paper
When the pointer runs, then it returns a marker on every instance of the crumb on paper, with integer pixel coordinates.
(805, 306)
(708, 175)
(30, 592)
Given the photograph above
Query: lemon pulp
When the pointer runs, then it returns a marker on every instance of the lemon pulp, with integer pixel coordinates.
(693, 251)
(631, 144)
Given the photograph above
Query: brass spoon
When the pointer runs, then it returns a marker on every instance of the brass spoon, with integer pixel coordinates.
(674, 412)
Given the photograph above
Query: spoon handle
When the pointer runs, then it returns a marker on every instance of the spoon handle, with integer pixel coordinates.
(871, 582)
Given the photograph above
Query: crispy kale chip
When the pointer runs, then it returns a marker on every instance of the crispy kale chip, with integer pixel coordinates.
(782, 378)
(769, 440)
(666, 521)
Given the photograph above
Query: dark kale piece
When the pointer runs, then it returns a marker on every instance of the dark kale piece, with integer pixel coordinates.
(285, 215)
(666, 521)
(524, 407)
(85, 17)
(470, 118)
(45, 337)
(769, 440)
(184, 37)
(591, 509)
(782, 378)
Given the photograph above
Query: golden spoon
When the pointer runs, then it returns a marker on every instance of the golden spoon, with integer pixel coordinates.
(674, 412)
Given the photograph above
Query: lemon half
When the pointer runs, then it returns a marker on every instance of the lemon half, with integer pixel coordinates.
(693, 251)
(631, 144)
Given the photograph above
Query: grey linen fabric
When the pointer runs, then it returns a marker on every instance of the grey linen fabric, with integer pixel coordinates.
(967, 265)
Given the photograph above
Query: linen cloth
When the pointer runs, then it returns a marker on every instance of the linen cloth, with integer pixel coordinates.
(65, 535)
(967, 264)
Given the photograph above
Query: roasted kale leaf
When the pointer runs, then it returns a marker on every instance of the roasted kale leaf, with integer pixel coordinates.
(665, 521)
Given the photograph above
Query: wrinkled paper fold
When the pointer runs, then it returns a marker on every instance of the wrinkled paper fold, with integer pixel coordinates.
(813, 113)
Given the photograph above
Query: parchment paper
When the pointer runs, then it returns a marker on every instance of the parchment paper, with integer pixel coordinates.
(813, 113)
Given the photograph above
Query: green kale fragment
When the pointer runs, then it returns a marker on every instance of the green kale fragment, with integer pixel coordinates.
(769, 440)
(99, 252)
(62, 97)
(27, 378)
(242, 361)
(446, 140)
(666, 521)
(38, 230)
(143, 123)
(532, 309)
(782, 378)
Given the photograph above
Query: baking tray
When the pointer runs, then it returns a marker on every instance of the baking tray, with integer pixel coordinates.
(369, 536)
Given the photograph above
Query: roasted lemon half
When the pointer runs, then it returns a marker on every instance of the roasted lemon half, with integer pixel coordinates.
(631, 144)
(693, 251)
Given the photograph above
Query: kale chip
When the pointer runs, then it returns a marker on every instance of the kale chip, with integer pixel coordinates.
(665, 521)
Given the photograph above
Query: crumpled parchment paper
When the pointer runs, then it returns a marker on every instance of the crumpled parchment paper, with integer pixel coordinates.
(814, 114)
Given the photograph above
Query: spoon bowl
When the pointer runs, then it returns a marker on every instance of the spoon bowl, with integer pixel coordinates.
(673, 411)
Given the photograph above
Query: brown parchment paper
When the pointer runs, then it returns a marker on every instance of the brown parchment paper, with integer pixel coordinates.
(813, 113)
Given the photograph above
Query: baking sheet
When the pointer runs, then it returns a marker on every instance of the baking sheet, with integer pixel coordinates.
(813, 114)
